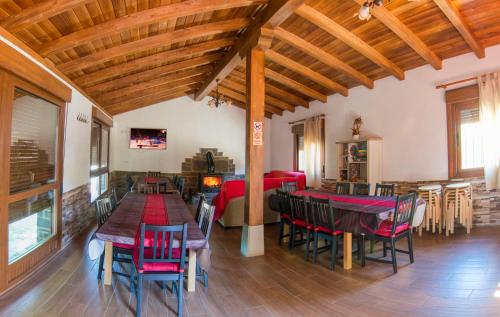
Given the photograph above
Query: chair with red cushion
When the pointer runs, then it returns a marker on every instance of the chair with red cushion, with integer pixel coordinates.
(324, 226)
(121, 252)
(160, 262)
(392, 230)
(342, 188)
(300, 222)
(285, 214)
(289, 187)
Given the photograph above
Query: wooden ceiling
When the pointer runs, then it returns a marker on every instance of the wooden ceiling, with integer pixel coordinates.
(127, 54)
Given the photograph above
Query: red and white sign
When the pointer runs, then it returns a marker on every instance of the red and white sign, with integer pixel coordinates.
(258, 127)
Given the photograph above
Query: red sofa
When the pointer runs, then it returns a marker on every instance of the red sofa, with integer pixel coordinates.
(229, 203)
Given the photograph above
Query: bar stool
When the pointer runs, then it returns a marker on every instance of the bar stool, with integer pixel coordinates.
(458, 204)
(432, 194)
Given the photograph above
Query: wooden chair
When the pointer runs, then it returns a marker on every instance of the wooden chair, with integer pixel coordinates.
(457, 204)
(180, 186)
(342, 188)
(130, 183)
(289, 187)
(390, 231)
(198, 208)
(361, 189)
(121, 252)
(158, 260)
(113, 198)
(300, 222)
(384, 189)
(153, 174)
(205, 221)
(324, 220)
(432, 194)
(285, 215)
(175, 180)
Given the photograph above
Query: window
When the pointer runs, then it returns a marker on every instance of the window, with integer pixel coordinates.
(465, 145)
(299, 153)
(99, 160)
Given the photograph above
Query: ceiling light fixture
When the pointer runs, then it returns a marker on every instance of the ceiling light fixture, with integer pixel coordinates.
(365, 11)
(218, 99)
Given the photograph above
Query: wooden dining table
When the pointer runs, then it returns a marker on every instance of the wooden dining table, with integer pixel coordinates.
(169, 186)
(354, 209)
(123, 224)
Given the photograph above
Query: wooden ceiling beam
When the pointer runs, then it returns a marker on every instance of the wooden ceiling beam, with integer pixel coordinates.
(233, 95)
(405, 34)
(151, 74)
(155, 41)
(322, 21)
(39, 12)
(145, 100)
(301, 69)
(303, 89)
(136, 19)
(274, 91)
(451, 11)
(156, 83)
(276, 12)
(151, 60)
(321, 55)
(228, 83)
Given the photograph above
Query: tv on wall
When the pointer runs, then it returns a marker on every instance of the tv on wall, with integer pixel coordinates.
(155, 139)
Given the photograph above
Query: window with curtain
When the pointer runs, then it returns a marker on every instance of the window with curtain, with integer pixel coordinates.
(99, 160)
(465, 140)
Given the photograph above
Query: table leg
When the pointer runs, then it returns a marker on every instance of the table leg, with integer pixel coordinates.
(108, 262)
(191, 271)
(347, 250)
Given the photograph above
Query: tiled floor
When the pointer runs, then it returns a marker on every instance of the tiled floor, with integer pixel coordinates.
(455, 276)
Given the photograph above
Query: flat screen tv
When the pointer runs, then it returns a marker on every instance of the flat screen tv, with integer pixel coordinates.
(155, 139)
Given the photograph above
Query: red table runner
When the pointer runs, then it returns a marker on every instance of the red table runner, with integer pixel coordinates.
(151, 180)
(154, 213)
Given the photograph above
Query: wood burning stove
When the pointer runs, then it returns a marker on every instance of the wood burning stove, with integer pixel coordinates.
(209, 183)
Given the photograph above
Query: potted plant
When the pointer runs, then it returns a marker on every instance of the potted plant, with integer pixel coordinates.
(356, 128)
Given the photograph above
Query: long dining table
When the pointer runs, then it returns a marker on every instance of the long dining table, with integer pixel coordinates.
(158, 182)
(123, 224)
(359, 214)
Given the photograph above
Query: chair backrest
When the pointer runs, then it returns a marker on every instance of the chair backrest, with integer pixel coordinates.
(162, 246)
(384, 189)
(289, 187)
(299, 208)
(200, 204)
(153, 174)
(403, 213)
(130, 183)
(180, 185)
(361, 189)
(284, 202)
(342, 188)
(103, 210)
(175, 179)
(113, 198)
(206, 219)
(323, 213)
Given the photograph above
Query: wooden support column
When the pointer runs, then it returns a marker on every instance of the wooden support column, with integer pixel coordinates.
(252, 240)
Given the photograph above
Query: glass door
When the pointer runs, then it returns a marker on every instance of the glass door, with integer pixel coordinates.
(32, 145)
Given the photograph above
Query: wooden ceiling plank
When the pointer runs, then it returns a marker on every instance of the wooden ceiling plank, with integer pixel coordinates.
(451, 11)
(321, 55)
(268, 99)
(151, 100)
(241, 105)
(405, 34)
(151, 60)
(275, 91)
(322, 21)
(151, 74)
(155, 41)
(231, 94)
(136, 19)
(276, 12)
(155, 83)
(39, 12)
(303, 89)
(301, 69)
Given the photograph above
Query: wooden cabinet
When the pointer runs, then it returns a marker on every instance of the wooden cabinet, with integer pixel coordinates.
(360, 161)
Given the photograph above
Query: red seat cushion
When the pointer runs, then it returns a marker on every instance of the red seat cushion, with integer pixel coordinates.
(123, 246)
(286, 216)
(328, 231)
(301, 223)
(157, 267)
(386, 226)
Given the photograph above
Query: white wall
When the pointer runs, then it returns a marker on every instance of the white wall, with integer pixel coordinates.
(409, 115)
(190, 126)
